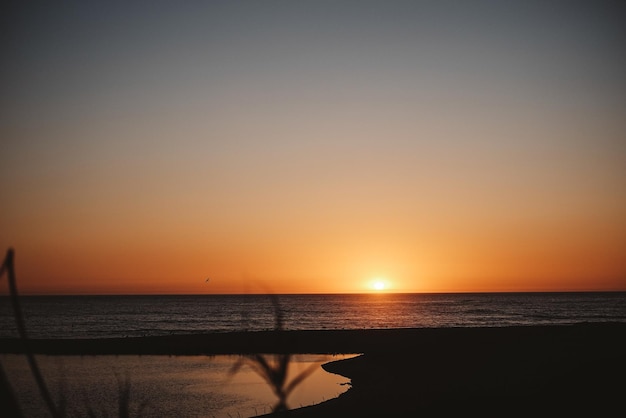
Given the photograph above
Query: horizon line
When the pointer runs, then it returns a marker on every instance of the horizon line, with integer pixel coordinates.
(373, 293)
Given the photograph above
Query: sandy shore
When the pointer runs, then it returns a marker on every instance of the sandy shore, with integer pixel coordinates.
(577, 370)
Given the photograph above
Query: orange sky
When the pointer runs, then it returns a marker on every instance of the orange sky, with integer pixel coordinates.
(313, 148)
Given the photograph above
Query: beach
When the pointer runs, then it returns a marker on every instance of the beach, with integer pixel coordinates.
(500, 371)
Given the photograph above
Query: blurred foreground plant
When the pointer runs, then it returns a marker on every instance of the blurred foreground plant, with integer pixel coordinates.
(8, 400)
(9, 267)
(274, 368)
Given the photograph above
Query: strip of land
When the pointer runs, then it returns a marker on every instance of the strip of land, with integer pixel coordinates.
(574, 370)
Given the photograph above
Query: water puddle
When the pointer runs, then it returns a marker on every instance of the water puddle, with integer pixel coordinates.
(160, 386)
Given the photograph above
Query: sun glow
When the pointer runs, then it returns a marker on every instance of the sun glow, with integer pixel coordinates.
(379, 284)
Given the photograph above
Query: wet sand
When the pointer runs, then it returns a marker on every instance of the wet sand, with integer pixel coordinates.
(574, 370)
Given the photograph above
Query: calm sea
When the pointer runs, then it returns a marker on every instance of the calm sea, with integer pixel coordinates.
(120, 316)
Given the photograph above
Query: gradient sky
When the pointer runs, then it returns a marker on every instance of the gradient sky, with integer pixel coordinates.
(291, 146)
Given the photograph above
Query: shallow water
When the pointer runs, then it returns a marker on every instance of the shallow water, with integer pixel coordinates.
(185, 386)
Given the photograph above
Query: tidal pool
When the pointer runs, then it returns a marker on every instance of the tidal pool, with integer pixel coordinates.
(185, 386)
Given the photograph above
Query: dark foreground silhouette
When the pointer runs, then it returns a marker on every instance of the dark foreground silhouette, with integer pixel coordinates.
(522, 372)
(569, 370)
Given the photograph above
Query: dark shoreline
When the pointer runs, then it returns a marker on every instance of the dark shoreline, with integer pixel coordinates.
(552, 370)
(325, 341)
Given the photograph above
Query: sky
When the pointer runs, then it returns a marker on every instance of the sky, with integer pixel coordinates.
(314, 147)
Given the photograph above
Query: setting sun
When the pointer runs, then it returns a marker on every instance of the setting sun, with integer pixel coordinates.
(379, 284)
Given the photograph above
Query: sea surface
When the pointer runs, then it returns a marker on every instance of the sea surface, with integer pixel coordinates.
(132, 316)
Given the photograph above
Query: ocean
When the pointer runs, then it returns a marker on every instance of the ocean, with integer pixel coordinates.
(133, 316)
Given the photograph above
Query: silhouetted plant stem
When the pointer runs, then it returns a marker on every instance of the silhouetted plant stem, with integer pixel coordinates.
(21, 329)
(273, 368)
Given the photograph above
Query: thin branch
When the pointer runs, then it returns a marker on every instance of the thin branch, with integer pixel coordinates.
(21, 329)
